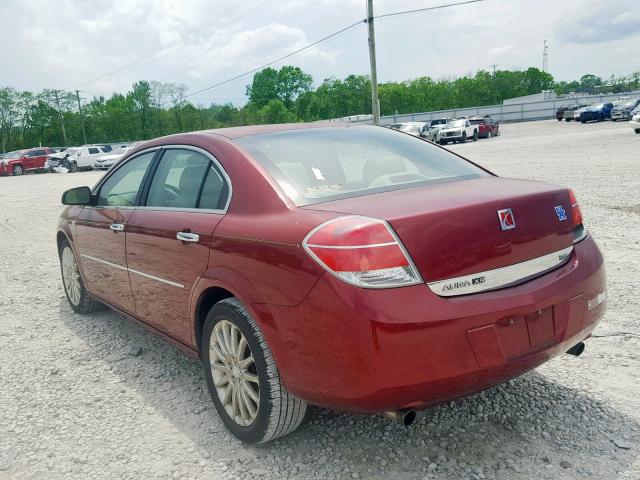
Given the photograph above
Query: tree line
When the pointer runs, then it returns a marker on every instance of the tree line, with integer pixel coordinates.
(150, 109)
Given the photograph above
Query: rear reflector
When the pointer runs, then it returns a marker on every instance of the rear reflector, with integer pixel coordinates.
(362, 251)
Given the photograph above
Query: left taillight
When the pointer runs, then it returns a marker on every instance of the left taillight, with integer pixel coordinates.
(579, 232)
(362, 251)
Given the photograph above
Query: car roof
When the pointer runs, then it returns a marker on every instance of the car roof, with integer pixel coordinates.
(237, 132)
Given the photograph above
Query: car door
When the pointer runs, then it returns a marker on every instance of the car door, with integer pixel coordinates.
(32, 158)
(101, 232)
(169, 236)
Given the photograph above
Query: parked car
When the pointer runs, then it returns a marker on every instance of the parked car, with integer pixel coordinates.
(578, 112)
(487, 128)
(597, 113)
(623, 111)
(560, 113)
(434, 126)
(108, 160)
(457, 131)
(312, 264)
(635, 119)
(570, 112)
(417, 129)
(76, 158)
(22, 161)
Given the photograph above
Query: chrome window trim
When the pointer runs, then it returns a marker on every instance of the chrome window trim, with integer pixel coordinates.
(131, 270)
(501, 277)
(207, 154)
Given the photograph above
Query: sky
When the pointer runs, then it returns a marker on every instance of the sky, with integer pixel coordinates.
(102, 46)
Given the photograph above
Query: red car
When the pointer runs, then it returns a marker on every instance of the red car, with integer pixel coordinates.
(21, 161)
(352, 267)
(487, 128)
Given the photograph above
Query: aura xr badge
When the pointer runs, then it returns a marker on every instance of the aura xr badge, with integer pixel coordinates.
(507, 222)
(562, 215)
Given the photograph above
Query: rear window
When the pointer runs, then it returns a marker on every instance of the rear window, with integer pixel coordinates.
(321, 164)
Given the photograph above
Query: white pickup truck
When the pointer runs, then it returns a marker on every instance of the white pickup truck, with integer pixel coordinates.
(457, 131)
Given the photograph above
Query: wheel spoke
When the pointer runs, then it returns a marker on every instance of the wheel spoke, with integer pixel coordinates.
(247, 402)
(223, 381)
(249, 391)
(244, 364)
(250, 377)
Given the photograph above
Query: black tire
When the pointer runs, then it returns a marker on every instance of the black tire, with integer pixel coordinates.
(18, 170)
(279, 413)
(583, 121)
(464, 137)
(559, 119)
(489, 134)
(86, 303)
(475, 136)
(73, 167)
(567, 119)
(637, 130)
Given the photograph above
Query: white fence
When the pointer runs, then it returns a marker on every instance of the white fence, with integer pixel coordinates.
(519, 112)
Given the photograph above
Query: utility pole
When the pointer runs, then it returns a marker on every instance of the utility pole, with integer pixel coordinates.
(375, 103)
(545, 56)
(64, 132)
(84, 132)
(494, 69)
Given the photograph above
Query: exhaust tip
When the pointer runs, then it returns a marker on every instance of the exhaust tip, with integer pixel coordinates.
(577, 349)
(403, 417)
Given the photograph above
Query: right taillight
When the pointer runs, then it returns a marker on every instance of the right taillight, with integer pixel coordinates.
(579, 232)
(362, 251)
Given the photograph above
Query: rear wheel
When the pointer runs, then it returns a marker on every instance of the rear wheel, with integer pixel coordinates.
(475, 136)
(464, 137)
(18, 170)
(77, 295)
(243, 379)
(567, 119)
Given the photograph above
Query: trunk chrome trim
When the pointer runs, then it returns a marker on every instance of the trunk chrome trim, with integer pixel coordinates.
(500, 277)
(131, 270)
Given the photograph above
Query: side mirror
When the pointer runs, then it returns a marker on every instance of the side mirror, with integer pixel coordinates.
(77, 196)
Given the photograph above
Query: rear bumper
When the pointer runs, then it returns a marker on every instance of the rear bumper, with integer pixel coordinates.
(373, 350)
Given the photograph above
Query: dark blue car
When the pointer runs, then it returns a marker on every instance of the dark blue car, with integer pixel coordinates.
(597, 113)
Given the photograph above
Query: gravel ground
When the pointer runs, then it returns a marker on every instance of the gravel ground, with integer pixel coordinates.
(98, 397)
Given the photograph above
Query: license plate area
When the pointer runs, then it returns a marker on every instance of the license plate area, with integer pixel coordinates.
(520, 334)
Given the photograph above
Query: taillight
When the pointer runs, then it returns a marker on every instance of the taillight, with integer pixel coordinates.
(579, 232)
(362, 251)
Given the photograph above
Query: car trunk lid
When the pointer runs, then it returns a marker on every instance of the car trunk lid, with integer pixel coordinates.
(454, 229)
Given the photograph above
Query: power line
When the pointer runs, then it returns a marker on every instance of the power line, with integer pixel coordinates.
(426, 9)
(152, 57)
(284, 57)
(323, 39)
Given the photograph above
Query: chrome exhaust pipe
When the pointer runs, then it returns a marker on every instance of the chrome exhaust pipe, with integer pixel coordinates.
(577, 349)
(403, 417)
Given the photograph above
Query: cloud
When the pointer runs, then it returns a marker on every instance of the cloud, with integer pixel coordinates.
(605, 22)
(497, 51)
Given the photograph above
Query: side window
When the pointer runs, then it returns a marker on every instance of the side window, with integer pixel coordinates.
(93, 150)
(121, 188)
(187, 179)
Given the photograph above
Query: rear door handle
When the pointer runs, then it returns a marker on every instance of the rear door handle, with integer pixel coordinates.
(187, 237)
(116, 227)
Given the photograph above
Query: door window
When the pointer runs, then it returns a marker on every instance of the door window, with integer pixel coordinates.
(121, 188)
(187, 179)
(93, 150)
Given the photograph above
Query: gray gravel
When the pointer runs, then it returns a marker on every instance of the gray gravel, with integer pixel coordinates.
(98, 397)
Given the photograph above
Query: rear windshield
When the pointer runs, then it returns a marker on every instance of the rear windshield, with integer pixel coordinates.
(320, 164)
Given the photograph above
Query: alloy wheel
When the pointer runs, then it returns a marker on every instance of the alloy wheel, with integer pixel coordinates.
(71, 276)
(234, 373)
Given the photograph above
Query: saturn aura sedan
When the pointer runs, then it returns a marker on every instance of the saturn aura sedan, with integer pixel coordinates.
(351, 267)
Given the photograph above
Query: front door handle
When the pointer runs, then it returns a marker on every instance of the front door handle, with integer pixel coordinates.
(187, 237)
(116, 227)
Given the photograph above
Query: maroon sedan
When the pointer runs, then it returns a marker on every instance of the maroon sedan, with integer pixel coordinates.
(353, 267)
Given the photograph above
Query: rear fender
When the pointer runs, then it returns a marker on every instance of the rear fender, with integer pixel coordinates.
(235, 283)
